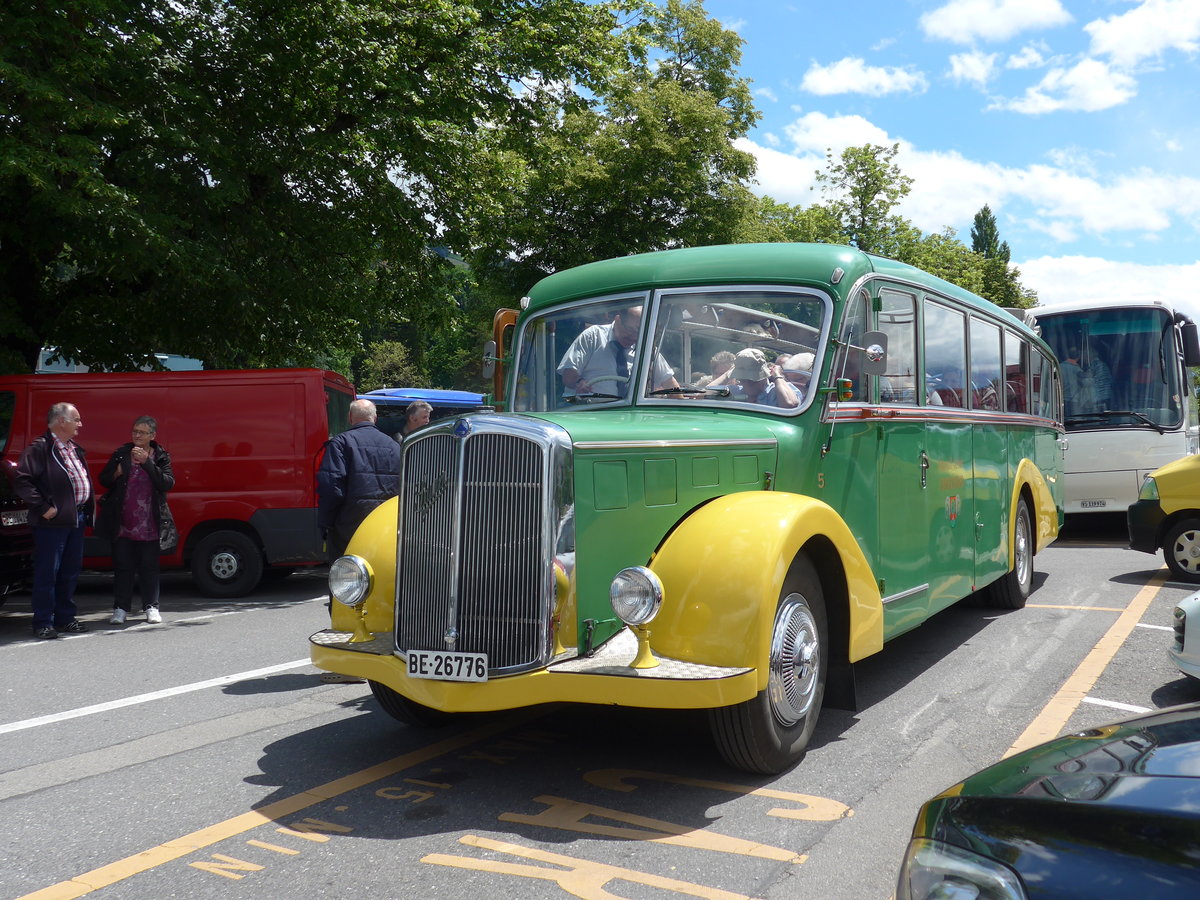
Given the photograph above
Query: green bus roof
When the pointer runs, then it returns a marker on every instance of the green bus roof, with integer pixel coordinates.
(799, 264)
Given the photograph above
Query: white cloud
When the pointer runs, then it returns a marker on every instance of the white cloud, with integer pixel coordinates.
(1147, 30)
(767, 93)
(1088, 86)
(965, 21)
(975, 67)
(772, 139)
(853, 76)
(1063, 200)
(814, 132)
(1062, 279)
(1028, 57)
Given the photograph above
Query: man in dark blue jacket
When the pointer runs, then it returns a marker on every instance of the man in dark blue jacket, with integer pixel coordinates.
(52, 479)
(360, 470)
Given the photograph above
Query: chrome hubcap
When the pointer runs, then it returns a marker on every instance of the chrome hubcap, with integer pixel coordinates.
(224, 564)
(1187, 551)
(795, 661)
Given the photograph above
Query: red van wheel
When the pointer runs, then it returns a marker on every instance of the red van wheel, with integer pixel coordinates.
(227, 564)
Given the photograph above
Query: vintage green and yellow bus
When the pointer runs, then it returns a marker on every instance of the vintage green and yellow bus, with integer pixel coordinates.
(721, 477)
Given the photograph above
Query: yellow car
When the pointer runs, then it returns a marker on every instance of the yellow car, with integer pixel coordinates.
(1167, 516)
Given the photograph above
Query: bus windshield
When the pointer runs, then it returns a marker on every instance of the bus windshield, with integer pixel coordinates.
(748, 346)
(1119, 367)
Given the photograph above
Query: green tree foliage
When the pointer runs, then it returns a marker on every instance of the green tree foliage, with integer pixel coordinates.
(251, 181)
(648, 164)
(861, 188)
(388, 364)
(985, 236)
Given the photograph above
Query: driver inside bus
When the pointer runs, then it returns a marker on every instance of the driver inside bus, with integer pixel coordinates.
(602, 359)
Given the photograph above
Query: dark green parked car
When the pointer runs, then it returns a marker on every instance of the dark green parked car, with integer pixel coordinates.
(1111, 812)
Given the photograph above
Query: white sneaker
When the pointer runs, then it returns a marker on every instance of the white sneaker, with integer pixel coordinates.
(118, 617)
(152, 616)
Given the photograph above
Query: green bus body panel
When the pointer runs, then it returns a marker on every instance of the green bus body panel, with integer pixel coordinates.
(652, 470)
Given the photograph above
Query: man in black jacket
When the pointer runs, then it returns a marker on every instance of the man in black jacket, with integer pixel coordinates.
(360, 470)
(52, 479)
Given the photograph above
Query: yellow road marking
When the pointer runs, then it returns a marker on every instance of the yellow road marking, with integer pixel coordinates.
(112, 873)
(1055, 714)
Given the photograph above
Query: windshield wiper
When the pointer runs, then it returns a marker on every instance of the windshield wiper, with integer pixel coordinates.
(1116, 413)
(584, 398)
(690, 389)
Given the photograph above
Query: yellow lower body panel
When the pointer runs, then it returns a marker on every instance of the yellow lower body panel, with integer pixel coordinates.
(606, 679)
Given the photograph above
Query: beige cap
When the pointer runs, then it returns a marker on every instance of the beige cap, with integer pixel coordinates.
(750, 365)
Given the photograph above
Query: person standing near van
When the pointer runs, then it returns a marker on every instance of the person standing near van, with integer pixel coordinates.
(53, 481)
(360, 470)
(135, 518)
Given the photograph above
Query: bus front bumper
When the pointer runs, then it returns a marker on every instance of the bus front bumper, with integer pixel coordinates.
(1145, 518)
(605, 678)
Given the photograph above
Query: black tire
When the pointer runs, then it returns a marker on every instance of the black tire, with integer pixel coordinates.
(769, 733)
(1011, 590)
(227, 564)
(1181, 550)
(404, 710)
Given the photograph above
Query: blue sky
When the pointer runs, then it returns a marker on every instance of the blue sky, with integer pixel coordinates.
(1077, 121)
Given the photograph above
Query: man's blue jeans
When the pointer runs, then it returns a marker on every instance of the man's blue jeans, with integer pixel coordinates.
(57, 559)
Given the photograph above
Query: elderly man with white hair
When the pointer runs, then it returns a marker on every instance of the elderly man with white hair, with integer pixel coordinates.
(360, 469)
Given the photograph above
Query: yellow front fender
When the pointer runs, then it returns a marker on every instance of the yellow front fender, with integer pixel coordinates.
(374, 541)
(723, 569)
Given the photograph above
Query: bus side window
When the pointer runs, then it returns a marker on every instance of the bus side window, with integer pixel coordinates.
(854, 326)
(1016, 373)
(898, 320)
(985, 365)
(945, 355)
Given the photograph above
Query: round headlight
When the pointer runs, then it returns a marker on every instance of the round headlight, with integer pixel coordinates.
(349, 580)
(636, 595)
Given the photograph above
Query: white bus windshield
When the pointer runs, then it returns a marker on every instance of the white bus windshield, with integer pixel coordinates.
(1120, 367)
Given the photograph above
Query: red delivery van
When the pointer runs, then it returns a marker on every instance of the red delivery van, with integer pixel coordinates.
(245, 447)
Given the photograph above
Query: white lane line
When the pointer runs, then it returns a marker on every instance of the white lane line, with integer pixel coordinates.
(1156, 627)
(1124, 707)
(154, 695)
(98, 629)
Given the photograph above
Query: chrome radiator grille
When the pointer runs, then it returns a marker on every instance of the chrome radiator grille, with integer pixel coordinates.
(474, 565)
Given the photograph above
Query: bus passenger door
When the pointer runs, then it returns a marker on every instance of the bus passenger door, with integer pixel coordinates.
(903, 516)
(950, 502)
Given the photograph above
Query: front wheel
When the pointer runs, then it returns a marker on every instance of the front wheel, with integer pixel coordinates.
(1011, 590)
(771, 732)
(227, 564)
(1181, 550)
(407, 711)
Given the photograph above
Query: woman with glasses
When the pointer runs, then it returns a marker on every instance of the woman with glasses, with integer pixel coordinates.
(135, 519)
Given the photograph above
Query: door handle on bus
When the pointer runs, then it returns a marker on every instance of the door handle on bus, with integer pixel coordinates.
(1063, 443)
(924, 469)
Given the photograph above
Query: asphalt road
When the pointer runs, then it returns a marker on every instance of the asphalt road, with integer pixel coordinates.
(204, 757)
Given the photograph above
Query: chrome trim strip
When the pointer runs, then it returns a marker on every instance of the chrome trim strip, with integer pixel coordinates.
(659, 445)
(904, 595)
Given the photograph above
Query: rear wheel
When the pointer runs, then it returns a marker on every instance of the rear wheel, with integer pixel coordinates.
(227, 564)
(404, 710)
(1011, 590)
(1181, 550)
(771, 732)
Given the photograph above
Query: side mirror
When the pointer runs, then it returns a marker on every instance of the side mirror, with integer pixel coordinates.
(1191, 345)
(874, 351)
(489, 359)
